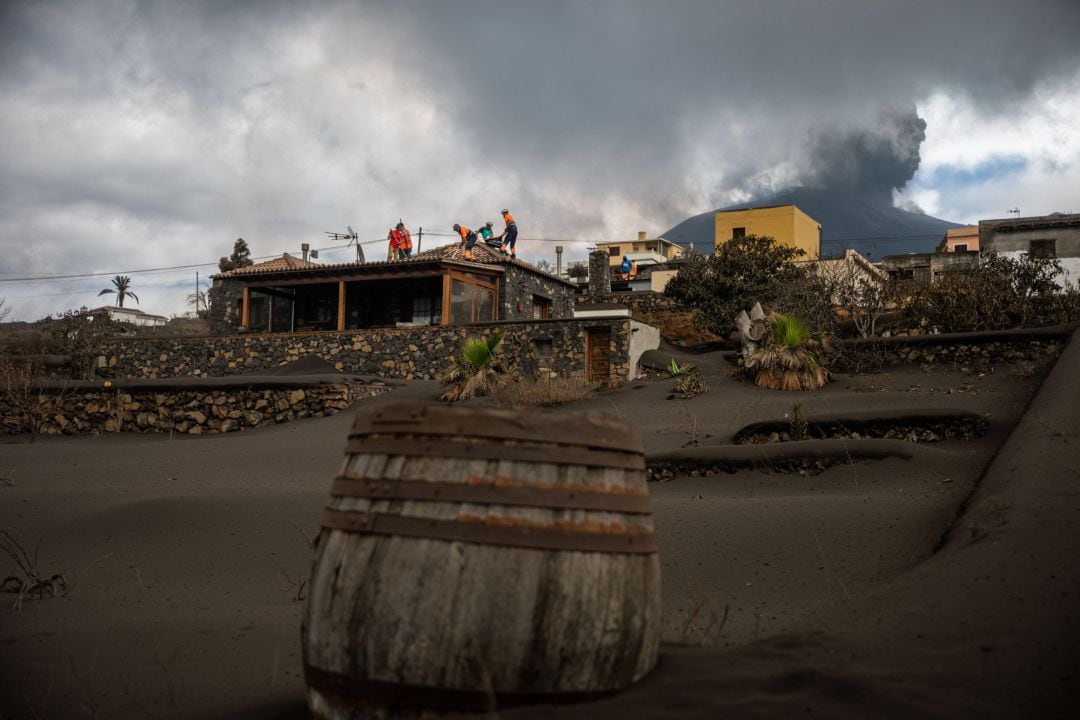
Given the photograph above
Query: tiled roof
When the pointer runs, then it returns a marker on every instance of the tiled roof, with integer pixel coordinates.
(455, 253)
(452, 253)
(285, 262)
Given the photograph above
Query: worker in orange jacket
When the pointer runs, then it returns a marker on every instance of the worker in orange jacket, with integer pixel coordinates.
(468, 239)
(509, 235)
(405, 241)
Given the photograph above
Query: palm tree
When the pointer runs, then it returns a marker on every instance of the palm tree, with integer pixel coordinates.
(477, 370)
(790, 357)
(122, 289)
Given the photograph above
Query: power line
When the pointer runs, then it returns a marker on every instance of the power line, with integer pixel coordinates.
(435, 233)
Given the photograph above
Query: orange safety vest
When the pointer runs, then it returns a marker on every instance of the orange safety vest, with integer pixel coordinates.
(406, 240)
(509, 219)
(464, 233)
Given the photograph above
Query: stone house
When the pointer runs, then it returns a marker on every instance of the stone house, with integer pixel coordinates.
(436, 287)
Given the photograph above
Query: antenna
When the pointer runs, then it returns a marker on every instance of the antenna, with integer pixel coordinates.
(1015, 211)
(352, 237)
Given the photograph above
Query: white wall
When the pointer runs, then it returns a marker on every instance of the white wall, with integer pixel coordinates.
(642, 337)
(1070, 266)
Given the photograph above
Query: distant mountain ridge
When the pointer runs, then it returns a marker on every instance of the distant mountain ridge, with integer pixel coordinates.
(873, 229)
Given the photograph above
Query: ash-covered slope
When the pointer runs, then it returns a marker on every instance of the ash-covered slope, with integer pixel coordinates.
(875, 229)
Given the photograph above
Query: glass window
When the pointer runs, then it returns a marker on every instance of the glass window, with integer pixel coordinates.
(427, 310)
(541, 308)
(613, 251)
(738, 232)
(470, 303)
(1043, 248)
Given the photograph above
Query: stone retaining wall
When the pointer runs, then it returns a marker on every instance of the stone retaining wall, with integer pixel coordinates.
(867, 356)
(195, 411)
(641, 301)
(530, 347)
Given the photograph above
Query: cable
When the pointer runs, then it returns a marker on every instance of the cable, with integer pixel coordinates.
(434, 233)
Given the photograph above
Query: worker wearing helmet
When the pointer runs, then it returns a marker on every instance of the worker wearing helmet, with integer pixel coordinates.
(509, 236)
(468, 239)
(405, 243)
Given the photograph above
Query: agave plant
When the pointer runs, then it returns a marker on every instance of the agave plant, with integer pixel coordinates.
(790, 358)
(476, 372)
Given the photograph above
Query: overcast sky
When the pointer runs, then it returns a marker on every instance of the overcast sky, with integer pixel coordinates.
(152, 135)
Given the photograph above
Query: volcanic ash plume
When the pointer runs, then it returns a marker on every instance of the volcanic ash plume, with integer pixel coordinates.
(868, 162)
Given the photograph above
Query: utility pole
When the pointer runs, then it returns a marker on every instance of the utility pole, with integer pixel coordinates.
(196, 293)
(419, 239)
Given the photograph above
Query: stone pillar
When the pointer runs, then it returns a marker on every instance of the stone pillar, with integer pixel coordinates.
(599, 273)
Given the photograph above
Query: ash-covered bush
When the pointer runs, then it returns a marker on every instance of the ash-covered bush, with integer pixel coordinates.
(1000, 293)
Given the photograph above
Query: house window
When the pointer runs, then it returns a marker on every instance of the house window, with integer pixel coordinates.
(739, 232)
(471, 303)
(426, 310)
(962, 247)
(541, 307)
(613, 251)
(1043, 249)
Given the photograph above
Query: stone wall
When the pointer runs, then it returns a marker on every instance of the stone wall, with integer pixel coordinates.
(642, 301)
(193, 411)
(408, 353)
(518, 286)
(871, 355)
(225, 297)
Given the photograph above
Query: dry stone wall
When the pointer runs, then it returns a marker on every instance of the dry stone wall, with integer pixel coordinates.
(195, 411)
(529, 347)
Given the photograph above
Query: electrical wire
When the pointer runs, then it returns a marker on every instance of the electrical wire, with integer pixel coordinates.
(433, 233)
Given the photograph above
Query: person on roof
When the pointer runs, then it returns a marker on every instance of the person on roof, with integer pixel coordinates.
(393, 250)
(486, 232)
(468, 239)
(509, 235)
(405, 244)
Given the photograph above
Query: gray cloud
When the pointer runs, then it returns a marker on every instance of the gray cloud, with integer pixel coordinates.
(867, 162)
(155, 133)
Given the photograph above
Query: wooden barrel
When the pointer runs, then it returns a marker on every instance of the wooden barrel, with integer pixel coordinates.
(473, 558)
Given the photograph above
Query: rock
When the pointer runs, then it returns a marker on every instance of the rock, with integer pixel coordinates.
(296, 396)
(198, 417)
(230, 425)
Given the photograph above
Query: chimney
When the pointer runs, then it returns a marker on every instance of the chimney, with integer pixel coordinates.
(641, 236)
(599, 273)
(304, 247)
(558, 260)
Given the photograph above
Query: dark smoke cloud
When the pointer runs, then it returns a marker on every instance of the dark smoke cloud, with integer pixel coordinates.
(871, 162)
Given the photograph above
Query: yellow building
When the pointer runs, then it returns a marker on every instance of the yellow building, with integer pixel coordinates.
(787, 224)
(643, 250)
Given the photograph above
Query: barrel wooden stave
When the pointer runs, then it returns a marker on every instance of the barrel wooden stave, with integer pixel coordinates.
(518, 619)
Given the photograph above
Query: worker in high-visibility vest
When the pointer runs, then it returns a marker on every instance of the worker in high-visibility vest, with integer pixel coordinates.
(468, 239)
(509, 235)
(405, 243)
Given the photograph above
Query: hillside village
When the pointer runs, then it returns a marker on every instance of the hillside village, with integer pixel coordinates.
(820, 457)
